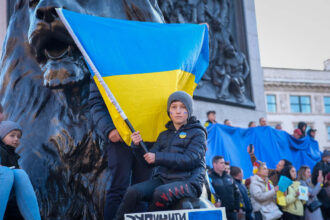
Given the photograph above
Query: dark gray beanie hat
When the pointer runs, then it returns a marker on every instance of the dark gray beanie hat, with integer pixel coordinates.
(183, 97)
(8, 126)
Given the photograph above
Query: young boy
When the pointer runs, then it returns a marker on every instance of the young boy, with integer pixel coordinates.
(178, 157)
(11, 177)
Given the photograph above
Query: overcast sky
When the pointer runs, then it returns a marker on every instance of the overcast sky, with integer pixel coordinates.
(293, 33)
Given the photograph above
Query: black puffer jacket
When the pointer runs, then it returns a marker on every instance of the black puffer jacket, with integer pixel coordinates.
(180, 154)
(8, 156)
(226, 190)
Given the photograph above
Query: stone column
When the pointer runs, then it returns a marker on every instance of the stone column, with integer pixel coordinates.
(3, 22)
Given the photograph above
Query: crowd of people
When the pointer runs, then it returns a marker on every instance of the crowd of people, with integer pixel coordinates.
(258, 197)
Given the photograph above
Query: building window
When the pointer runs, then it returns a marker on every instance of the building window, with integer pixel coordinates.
(271, 103)
(327, 104)
(300, 104)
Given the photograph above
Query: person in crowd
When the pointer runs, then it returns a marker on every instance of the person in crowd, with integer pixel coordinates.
(227, 167)
(237, 174)
(247, 183)
(211, 116)
(278, 126)
(297, 133)
(179, 158)
(302, 126)
(304, 176)
(294, 208)
(227, 122)
(263, 195)
(311, 133)
(125, 166)
(12, 178)
(273, 174)
(1, 113)
(252, 124)
(262, 121)
(226, 190)
(323, 196)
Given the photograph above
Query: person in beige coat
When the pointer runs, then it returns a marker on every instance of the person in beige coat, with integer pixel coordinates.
(263, 195)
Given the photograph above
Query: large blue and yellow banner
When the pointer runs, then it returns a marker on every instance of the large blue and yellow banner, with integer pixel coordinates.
(271, 146)
(141, 63)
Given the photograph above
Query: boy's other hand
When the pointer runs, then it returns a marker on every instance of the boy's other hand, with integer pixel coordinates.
(136, 138)
(114, 136)
(150, 158)
(276, 188)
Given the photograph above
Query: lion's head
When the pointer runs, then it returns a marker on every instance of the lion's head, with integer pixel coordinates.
(54, 49)
(44, 86)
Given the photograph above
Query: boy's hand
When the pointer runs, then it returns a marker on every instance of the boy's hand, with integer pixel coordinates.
(150, 158)
(136, 138)
(114, 136)
(276, 188)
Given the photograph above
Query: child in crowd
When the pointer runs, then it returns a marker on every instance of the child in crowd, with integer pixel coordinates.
(11, 177)
(263, 195)
(294, 208)
(312, 210)
(178, 156)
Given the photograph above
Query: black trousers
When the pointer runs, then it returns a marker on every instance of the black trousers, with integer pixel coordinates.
(161, 195)
(231, 215)
(126, 169)
(289, 216)
(257, 216)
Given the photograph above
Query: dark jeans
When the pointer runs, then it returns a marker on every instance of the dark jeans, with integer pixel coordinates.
(126, 169)
(289, 216)
(231, 215)
(257, 216)
(161, 195)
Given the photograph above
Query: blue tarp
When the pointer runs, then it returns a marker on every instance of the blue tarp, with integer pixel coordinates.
(270, 145)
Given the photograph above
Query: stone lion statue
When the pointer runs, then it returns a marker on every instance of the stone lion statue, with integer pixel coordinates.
(44, 86)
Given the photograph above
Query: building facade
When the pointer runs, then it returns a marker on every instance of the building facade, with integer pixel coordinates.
(294, 95)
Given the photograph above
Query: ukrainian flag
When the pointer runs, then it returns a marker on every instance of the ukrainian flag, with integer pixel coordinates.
(141, 63)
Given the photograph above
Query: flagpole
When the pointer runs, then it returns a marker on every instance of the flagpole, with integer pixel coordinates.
(119, 109)
(98, 75)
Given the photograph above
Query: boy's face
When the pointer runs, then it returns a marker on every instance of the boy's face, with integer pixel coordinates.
(178, 113)
(12, 138)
